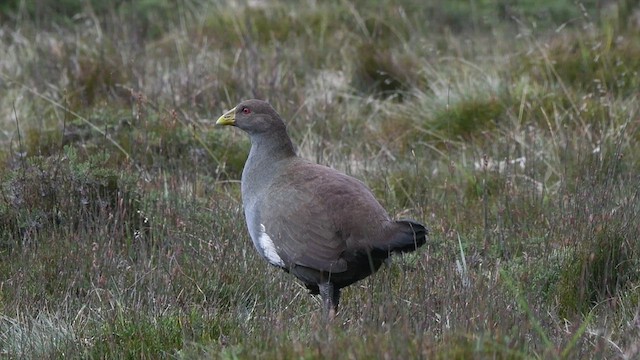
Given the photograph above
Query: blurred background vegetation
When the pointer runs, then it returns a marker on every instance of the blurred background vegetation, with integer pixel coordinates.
(510, 127)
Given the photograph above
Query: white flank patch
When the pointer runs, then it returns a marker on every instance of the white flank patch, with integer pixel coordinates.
(268, 248)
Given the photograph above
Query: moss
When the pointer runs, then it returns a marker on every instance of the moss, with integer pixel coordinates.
(468, 118)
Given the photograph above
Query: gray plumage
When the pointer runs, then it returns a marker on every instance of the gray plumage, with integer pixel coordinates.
(322, 226)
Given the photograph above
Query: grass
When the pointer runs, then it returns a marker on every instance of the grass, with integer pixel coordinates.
(511, 130)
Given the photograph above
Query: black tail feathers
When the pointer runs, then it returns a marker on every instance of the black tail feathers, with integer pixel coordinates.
(409, 236)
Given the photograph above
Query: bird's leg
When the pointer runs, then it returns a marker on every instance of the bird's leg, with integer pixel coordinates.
(336, 300)
(330, 298)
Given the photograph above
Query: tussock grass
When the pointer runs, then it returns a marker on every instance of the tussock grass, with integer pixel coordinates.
(44, 335)
(511, 131)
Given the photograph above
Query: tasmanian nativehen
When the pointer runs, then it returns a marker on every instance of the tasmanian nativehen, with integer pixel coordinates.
(322, 226)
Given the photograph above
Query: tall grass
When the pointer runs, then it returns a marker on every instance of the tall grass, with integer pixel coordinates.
(510, 130)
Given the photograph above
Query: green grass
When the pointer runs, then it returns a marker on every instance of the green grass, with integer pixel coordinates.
(509, 128)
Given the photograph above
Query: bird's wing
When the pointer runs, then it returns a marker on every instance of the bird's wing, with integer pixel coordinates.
(303, 229)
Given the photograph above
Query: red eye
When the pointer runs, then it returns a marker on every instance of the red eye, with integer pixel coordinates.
(246, 111)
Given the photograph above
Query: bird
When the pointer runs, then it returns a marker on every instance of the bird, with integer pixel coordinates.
(322, 226)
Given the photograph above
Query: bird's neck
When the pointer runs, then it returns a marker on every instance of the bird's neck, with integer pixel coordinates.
(267, 150)
(270, 147)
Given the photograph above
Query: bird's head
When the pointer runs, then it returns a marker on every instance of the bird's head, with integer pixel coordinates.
(252, 116)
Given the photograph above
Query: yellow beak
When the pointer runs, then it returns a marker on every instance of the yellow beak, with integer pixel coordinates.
(228, 118)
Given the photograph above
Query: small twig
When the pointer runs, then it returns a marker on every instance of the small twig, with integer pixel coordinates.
(20, 145)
